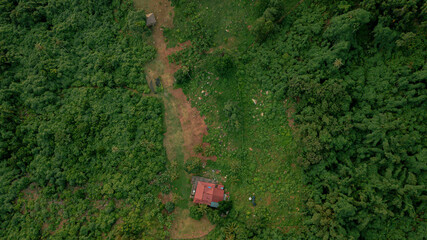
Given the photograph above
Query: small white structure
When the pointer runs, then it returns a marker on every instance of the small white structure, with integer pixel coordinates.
(151, 20)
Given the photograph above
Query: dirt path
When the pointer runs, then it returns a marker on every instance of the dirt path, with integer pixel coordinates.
(193, 127)
(185, 127)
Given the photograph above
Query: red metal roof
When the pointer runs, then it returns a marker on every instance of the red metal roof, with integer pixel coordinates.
(208, 192)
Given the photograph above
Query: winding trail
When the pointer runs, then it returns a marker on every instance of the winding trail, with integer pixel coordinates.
(185, 127)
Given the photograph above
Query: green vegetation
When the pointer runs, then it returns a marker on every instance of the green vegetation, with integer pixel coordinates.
(251, 139)
(353, 73)
(170, 206)
(81, 154)
(193, 165)
(196, 211)
(316, 108)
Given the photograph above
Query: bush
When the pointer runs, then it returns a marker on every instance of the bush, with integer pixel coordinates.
(225, 206)
(223, 63)
(165, 189)
(182, 75)
(195, 212)
(213, 216)
(198, 148)
(263, 28)
(231, 112)
(193, 165)
(209, 151)
(170, 206)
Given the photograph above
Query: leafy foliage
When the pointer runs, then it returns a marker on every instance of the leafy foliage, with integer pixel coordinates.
(355, 99)
(81, 156)
(195, 212)
(193, 165)
(223, 63)
(354, 72)
(169, 206)
(182, 75)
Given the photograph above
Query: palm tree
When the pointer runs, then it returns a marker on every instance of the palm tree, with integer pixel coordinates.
(203, 209)
(231, 230)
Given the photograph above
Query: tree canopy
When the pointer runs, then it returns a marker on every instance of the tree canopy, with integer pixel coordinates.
(81, 155)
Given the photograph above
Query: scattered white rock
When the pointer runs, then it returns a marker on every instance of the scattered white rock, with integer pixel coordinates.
(253, 100)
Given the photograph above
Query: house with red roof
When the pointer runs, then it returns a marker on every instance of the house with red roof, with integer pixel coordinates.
(206, 191)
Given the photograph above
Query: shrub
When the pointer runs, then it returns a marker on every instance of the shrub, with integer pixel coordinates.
(225, 206)
(193, 165)
(195, 212)
(223, 63)
(170, 206)
(198, 148)
(263, 28)
(213, 216)
(165, 189)
(182, 76)
(209, 151)
(231, 111)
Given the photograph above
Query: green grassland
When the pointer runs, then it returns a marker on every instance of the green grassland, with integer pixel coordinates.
(255, 148)
(228, 22)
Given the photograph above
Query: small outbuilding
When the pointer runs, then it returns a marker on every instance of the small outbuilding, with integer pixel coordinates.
(150, 19)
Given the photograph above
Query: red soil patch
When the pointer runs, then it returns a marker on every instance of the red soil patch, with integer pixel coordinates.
(192, 124)
(165, 197)
(179, 47)
(268, 200)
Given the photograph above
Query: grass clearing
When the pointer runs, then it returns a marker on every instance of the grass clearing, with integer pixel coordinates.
(173, 142)
(226, 20)
(258, 157)
(184, 227)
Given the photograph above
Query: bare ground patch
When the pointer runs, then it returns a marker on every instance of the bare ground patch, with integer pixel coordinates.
(166, 197)
(187, 228)
(193, 125)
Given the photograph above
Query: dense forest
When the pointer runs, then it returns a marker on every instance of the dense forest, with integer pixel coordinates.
(81, 154)
(317, 107)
